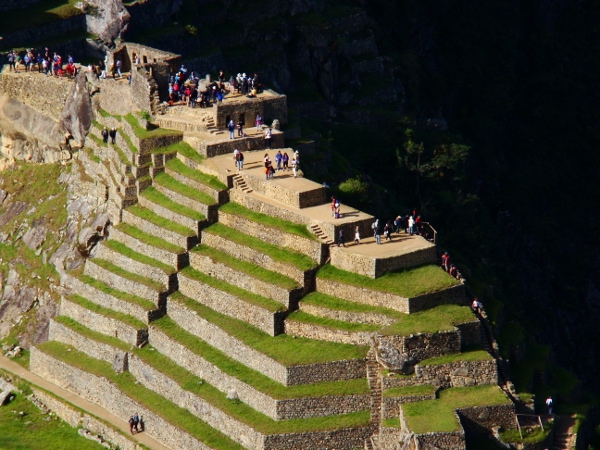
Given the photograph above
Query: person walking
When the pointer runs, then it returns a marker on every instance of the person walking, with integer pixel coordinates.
(356, 235)
(231, 128)
(113, 135)
(341, 238)
(295, 165)
(104, 134)
(549, 404)
(258, 123)
(268, 136)
(375, 227)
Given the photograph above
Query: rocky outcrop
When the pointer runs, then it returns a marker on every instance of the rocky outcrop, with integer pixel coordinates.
(77, 115)
(106, 19)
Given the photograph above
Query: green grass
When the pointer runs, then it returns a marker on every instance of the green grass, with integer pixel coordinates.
(121, 248)
(440, 318)
(300, 316)
(422, 389)
(246, 296)
(393, 422)
(106, 312)
(186, 150)
(142, 133)
(241, 411)
(298, 260)
(132, 148)
(149, 239)
(129, 298)
(159, 221)
(437, 415)
(107, 265)
(121, 155)
(476, 355)
(253, 270)
(405, 283)
(531, 435)
(338, 304)
(125, 382)
(167, 181)
(92, 155)
(284, 349)
(41, 13)
(34, 430)
(157, 197)
(264, 219)
(207, 180)
(97, 140)
(251, 377)
(91, 334)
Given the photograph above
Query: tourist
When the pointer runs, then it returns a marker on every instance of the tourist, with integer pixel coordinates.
(231, 128)
(295, 166)
(113, 135)
(333, 202)
(476, 306)
(11, 60)
(104, 134)
(340, 240)
(375, 227)
(240, 161)
(356, 235)
(387, 231)
(411, 225)
(240, 128)
(278, 159)
(549, 403)
(285, 159)
(268, 137)
(336, 211)
(446, 261)
(258, 123)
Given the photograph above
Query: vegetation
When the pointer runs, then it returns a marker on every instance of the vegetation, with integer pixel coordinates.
(422, 389)
(107, 265)
(106, 312)
(195, 175)
(333, 324)
(121, 248)
(142, 133)
(167, 181)
(149, 238)
(405, 283)
(91, 334)
(96, 284)
(159, 221)
(438, 415)
(298, 260)
(156, 197)
(269, 221)
(338, 304)
(474, 355)
(434, 320)
(41, 13)
(286, 350)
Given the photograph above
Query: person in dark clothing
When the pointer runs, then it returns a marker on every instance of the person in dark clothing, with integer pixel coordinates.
(113, 135)
(104, 133)
(341, 239)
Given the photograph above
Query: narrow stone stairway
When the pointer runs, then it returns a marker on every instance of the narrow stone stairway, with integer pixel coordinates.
(564, 438)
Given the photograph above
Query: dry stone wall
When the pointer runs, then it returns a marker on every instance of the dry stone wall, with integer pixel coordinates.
(102, 324)
(222, 272)
(98, 350)
(169, 236)
(116, 97)
(347, 316)
(288, 376)
(344, 439)
(310, 331)
(270, 106)
(268, 321)
(376, 267)
(237, 196)
(313, 249)
(488, 417)
(292, 197)
(391, 405)
(102, 392)
(76, 418)
(425, 345)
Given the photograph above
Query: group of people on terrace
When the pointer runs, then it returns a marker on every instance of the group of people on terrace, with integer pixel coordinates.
(449, 267)
(185, 88)
(41, 61)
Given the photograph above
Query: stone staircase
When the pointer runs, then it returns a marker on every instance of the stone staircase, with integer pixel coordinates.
(316, 229)
(240, 183)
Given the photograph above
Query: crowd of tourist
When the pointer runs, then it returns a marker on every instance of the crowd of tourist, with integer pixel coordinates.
(41, 61)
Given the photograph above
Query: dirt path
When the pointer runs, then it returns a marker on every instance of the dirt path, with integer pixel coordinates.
(92, 408)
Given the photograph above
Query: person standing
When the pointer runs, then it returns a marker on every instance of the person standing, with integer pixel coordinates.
(295, 165)
(240, 127)
(278, 159)
(104, 133)
(341, 238)
(356, 235)
(375, 227)
(268, 136)
(231, 128)
(258, 123)
(286, 160)
(113, 135)
(411, 225)
(239, 160)
(549, 404)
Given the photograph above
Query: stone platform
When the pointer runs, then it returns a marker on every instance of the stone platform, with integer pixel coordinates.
(304, 201)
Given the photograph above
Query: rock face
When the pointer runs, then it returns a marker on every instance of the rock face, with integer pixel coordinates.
(28, 135)
(77, 115)
(391, 358)
(107, 19)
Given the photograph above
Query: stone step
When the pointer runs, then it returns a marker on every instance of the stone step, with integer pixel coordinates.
(224, 298)
(153, 224)
(105, 348)
(170, 425)
(185, 196)
(161, 205)
(123, 280)
(317, 231)
(294, 265)
(253, 388)
(246, 276)
(103, 320)
(207, 184)
(301, 324)
(240, 183)
(127, 259)
(150, 245)
(96, 291)
(335, 308)
(239, 341)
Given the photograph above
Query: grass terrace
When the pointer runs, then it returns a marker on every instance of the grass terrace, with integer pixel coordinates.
(423, 389)
(106, 312)
(264, 219)
(298, 260)
(247, 296)
(91, 334)
(107, 265)
(179, 167)
(129, 298)
(338, 304)
(126, 383)
(251, 377)
(121, 248)
(406, 283)
(186, 150)
(142, 133)
(132, 148)
(473, 355)
(438, 415)
(172, 184)
(149, 239)
(156, 197)
(332, 324)
(159, 221)
(286, 350)
(41, 13)
(434, 320)
(253, 270)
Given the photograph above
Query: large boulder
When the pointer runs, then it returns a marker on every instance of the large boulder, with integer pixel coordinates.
(106, 19)
(77, 115)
